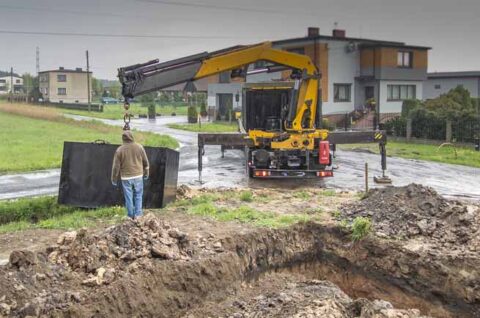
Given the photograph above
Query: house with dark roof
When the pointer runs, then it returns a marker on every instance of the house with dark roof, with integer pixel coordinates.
(439, 83)
(65, 85)
(353, 71)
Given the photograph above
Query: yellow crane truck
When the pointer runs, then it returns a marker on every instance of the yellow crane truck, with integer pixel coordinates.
(281, 123)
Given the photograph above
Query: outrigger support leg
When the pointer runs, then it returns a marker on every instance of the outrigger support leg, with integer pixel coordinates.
(383, 179)
(201, 151)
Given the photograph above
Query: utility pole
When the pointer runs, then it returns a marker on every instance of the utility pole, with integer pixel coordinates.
(38, 60)
(11, 85)
(88, 83)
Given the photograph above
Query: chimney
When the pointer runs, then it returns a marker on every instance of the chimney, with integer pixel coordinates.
(313, 32)
(61, 68)
(337, 33)
(78, 69)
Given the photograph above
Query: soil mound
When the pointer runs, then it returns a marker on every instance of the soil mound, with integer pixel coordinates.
(128, 241)
(416, 210)
(316, 299)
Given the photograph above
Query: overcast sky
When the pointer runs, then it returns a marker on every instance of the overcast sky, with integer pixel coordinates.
(183, 27)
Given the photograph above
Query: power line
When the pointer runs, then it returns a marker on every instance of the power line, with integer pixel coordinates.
(109, 35)
(74, 12)
(220, 7)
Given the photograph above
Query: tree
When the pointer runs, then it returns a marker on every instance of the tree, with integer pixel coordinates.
(30, 82)
(452, 105)
(97, 87)
(148, 100)
(114, 89)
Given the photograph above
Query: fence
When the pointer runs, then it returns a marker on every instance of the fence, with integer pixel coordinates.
(462, 130)
(76, 106)
(357, 120)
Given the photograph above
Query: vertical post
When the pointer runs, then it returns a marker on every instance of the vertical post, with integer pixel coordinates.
(409, 129)
(346, 121)
(88, 83)
(366, 177)
(383, 153)
(11, 85)
(200, 154)
(448, 129)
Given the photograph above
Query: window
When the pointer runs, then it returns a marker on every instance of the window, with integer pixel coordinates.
(341, 92)
(43, 78)
(224, 77)
(298, 50)
(404, 59)
(61, 78)
(438, 86)
(401, 92)
(258, 65)
(2, 81)
(62, 91)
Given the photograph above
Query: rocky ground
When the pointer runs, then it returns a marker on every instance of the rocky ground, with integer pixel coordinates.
(421, 259)
(280, 295)
(418, 212)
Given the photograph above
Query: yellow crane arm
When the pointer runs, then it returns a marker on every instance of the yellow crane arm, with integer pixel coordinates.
(151, 76)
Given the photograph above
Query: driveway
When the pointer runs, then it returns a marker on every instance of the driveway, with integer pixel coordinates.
(449, 180)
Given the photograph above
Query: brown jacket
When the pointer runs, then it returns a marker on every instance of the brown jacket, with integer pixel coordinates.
(130, 159)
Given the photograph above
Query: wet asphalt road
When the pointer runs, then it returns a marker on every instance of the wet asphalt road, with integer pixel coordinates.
(449, 180)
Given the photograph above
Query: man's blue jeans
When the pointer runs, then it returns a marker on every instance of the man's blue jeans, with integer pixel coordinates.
(133, 192)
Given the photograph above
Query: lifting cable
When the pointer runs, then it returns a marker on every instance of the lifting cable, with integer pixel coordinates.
(127, 115)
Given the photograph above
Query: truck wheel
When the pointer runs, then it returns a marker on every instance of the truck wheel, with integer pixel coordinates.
(250, 172)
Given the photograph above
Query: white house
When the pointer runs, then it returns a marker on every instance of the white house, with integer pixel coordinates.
(353, 71)
(7, 82)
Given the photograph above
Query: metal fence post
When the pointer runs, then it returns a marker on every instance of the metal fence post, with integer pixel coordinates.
(448, 131)
(409, 129)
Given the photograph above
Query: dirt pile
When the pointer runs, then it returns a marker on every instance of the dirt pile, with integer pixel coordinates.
(415, 210)
(315, 299)
(102, 254)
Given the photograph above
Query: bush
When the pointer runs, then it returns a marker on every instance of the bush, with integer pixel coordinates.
(192, 114)
(203, 110)
(396, 126)
(361, 227)
(326, 124)
(408, 105)
(246, 196)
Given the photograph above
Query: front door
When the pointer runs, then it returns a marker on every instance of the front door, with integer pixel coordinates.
(369, 92)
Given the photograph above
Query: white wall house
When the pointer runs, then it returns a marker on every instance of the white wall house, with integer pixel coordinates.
(6, 84)
(353, 71)
(440, 83)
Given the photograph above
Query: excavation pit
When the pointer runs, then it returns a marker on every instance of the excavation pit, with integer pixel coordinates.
(179, 265)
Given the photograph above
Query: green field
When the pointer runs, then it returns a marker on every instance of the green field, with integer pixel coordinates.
(116, 111)
(33, 144)
(207, 127)
(45, 213)
(446, 154)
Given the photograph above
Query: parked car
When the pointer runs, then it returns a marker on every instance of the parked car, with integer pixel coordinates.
(109, 100)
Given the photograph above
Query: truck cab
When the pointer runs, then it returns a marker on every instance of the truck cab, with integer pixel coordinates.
(264, 108)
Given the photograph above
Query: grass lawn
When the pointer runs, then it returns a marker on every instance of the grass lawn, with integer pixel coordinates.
(32, 137)
(446, 154)
(207, 127)
(45, 213)
(116, 111)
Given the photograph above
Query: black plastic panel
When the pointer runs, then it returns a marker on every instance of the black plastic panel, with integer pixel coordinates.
(86, 170)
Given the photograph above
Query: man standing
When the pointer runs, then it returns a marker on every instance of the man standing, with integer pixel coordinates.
(130, 164)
